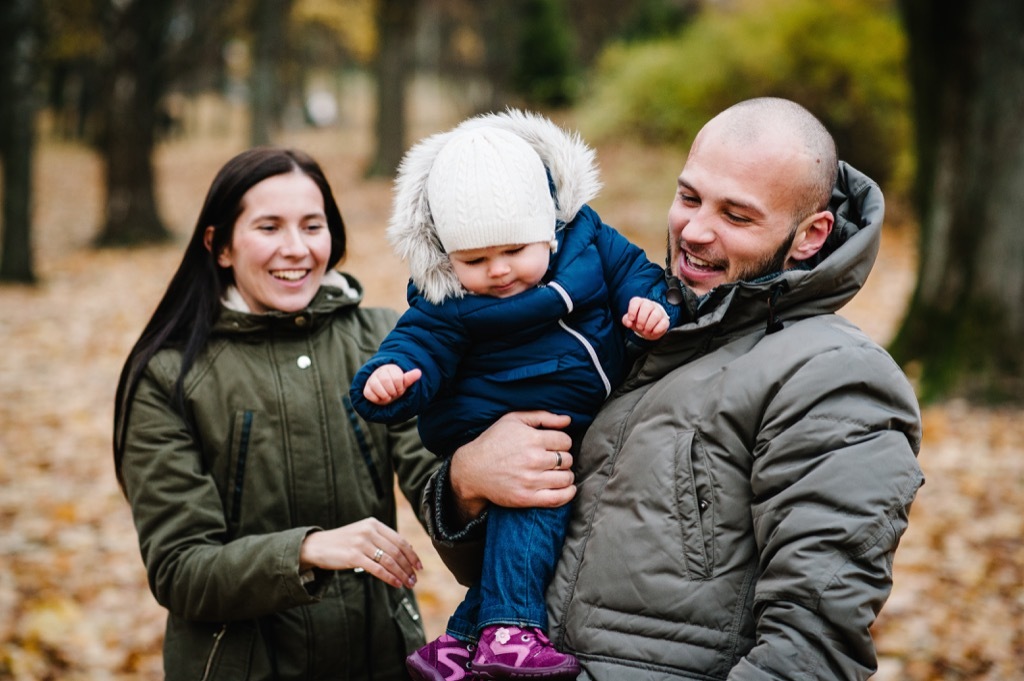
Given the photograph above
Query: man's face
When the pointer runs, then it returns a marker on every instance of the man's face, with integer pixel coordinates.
(732, 218)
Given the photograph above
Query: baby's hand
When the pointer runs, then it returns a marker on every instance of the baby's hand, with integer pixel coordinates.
(647, 318)
(388, 382)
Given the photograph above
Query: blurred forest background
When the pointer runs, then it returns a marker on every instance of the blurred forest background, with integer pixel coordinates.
(115, 115)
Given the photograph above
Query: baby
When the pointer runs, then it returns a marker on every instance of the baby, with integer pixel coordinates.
(520, 298)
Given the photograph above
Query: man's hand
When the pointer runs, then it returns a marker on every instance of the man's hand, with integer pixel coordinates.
(522, 460)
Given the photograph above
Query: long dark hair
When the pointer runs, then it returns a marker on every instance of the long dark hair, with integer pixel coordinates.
(190, 306)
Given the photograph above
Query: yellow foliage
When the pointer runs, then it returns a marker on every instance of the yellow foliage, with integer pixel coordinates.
(351, 20)
(49, 622)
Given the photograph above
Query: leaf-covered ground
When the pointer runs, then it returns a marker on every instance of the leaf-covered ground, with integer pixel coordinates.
(74, 603)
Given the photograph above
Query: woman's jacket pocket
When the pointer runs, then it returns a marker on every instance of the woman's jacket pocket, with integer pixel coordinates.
(199, 651)
(241, 437)
(406, 615)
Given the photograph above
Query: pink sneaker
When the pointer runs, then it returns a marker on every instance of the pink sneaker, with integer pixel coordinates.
(509, 652)
(444, 659)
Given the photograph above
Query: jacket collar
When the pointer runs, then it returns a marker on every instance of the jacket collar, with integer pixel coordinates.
(337, 290)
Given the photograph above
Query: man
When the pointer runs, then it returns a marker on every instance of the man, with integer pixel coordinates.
(740, 497)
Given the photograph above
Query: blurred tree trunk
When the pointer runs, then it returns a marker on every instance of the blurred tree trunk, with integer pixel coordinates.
(964, 331)
(270, 28)
(396, 21)
(545, 62)
(500, 26)
(135, 81)
(19, 46)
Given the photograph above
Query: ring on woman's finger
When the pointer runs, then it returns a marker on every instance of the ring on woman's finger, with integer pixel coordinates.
(377, 555)
(558, 460)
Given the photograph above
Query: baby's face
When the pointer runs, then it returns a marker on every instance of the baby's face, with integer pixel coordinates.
(501, 271)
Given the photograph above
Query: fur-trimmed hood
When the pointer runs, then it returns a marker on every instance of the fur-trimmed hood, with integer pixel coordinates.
(570, 163)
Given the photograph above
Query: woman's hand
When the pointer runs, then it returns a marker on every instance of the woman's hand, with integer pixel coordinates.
(368, 544)
(522, 460)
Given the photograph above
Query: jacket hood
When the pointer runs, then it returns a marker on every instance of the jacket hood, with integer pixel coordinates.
(570, 163)
(835, 275)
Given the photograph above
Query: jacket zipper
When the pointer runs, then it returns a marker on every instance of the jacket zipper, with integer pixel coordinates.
(593, 356)
(567, 299)
(213, 652)
(243, 455)
(364, 446)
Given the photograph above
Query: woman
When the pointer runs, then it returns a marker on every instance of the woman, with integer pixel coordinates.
(264, 505)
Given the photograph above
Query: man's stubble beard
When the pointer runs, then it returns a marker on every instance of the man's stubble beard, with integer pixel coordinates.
(770, 264)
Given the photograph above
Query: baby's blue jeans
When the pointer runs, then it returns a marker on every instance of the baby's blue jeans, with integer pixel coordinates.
(520, 553)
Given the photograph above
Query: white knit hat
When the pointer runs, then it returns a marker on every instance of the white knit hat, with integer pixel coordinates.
(488, 187)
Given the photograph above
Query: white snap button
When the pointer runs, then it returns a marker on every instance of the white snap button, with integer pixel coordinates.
(304, 362)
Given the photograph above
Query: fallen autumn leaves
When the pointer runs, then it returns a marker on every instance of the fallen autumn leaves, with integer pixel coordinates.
(74, 603)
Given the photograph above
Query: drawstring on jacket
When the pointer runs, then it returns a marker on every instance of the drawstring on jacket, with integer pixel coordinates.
(774, 323)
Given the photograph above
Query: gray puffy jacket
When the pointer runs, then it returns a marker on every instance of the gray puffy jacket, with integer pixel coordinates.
(742, 494)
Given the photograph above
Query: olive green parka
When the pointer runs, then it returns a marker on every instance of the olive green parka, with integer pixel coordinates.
(269, 450)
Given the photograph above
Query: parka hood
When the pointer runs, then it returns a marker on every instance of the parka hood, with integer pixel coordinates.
(839, 270)
(570, 163)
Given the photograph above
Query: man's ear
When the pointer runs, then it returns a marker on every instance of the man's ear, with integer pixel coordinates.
(811, 235)
(224, 257)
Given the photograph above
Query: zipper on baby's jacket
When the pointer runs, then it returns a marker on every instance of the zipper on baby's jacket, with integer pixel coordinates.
(582, 339)
(592, 353)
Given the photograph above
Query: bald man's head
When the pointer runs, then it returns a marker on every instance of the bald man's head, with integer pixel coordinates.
(774, 122)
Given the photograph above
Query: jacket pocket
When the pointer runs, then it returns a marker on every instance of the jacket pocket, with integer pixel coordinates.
(529, 371)
(406, 615)
(212, 657)
(240, 439)
(232, 653)
(363, 442)
(200, 651)
(696, 505)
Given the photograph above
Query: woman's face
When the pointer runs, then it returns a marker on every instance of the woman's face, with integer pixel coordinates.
(280, 244)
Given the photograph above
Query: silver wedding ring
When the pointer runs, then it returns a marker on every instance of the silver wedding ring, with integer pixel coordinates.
(558, 460)
(377, 555)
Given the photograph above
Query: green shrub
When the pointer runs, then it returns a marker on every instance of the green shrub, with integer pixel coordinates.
(544, 71)
(842, 59)
(655, 19)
